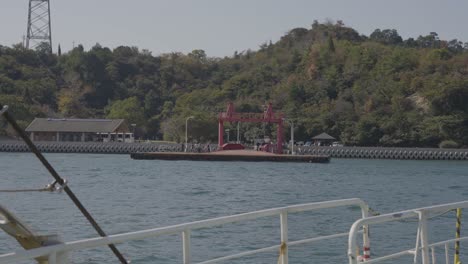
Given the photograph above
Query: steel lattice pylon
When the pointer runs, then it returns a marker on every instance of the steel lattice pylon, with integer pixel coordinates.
(39, 28)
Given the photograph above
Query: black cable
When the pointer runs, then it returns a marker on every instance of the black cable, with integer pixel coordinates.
(59, 180)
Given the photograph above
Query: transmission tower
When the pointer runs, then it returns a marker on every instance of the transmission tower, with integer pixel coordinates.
(39, 29)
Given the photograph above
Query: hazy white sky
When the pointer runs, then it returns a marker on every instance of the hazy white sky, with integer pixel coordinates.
(221, 27)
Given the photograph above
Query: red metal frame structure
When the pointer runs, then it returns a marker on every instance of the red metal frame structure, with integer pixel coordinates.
(266, 117)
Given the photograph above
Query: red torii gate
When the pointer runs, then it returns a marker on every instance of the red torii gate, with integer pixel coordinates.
(266, 117)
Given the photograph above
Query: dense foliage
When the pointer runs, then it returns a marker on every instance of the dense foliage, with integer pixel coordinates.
(379, 90)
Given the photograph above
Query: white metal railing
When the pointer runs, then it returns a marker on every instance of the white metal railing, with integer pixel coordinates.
(422, 239)
(57, 253)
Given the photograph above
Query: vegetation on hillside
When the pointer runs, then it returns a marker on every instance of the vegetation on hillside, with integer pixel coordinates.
(377, 90)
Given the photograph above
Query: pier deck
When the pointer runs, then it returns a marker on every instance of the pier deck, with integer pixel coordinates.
(231, 155)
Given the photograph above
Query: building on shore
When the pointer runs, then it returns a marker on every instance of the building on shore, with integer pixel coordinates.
(79, 130)
(323, 140)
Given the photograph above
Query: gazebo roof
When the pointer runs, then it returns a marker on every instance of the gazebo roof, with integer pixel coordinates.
(324, 136)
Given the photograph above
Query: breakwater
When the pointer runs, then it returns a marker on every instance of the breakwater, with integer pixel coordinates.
(386, 153)
(333, 152)
(91, 147)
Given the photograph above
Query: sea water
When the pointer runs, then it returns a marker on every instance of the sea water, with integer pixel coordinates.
(126, 195)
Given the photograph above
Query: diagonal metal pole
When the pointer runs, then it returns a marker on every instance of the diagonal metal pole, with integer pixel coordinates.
(27, 140)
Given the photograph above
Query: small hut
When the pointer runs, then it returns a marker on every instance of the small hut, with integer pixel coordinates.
(323, 140)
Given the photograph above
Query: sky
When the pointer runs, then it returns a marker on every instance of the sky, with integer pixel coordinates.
(221, 27)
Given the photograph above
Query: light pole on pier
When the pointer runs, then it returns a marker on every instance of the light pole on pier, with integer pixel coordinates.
(227, 131)
(238, 139)
(291, 123)
(133, 131)
(186, 137)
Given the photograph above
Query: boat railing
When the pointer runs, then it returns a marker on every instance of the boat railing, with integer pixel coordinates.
(422, 216)
(56, 254)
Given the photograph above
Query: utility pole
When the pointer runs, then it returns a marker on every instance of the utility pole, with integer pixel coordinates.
(39, 25)
(186, 130)
(291, 123)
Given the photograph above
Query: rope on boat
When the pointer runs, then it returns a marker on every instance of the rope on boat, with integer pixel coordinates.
(45, 189)
(456, 258)
(48, 188)
(282, 251)
(373, 212)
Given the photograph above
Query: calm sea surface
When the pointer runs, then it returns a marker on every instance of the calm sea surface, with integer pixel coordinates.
(129, 195)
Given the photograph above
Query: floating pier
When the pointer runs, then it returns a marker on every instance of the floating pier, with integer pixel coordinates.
(231, 155)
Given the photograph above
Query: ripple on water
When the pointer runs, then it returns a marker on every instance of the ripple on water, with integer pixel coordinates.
(127, 195)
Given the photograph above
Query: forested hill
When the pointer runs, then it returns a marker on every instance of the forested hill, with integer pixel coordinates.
(377, 90)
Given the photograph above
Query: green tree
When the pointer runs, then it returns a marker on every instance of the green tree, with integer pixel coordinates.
(129, 109)
(386, 36)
